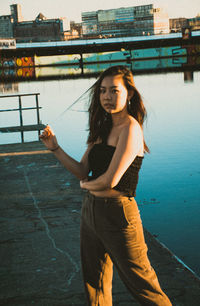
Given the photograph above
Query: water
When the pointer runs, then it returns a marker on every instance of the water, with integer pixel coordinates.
(168, 191)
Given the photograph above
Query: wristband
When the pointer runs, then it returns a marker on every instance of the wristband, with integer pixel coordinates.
(52, 150)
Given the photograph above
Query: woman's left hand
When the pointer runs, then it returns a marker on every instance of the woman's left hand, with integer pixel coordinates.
(49, 139)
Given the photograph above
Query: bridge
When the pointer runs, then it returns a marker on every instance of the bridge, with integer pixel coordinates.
(82, 46)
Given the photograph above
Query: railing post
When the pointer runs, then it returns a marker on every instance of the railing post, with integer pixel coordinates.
(23, 128)
(37, 110)
(21, 118)
(81, 63)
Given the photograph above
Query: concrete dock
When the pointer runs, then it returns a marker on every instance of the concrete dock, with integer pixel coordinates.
(40, 205)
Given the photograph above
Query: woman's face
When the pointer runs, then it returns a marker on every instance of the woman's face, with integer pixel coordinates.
(113, 94)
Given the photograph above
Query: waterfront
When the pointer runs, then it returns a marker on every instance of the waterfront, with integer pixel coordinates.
(168, 191)
(40, 224)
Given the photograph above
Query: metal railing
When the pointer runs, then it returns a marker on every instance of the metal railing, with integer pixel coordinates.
(23, 128)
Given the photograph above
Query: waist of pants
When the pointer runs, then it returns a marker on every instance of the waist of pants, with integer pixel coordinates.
(118, 199)
(99, 211)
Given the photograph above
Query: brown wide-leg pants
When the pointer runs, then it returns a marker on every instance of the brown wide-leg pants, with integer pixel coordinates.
(111, 232)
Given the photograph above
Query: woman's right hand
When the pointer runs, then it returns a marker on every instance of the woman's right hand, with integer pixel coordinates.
(49, 139)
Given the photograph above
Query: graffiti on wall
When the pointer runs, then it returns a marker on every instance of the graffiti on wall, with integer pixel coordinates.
(17, 67)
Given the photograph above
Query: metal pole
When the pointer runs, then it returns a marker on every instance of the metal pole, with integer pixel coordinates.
(81, 63)
(37, 110)
(21, 118)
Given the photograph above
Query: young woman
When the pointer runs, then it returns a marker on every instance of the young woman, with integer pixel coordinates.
(111, 228)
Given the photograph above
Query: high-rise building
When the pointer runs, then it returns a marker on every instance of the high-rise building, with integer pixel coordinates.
(144, 20)
(136, 20)
(16, 12)
(90, 23)
(116, 21)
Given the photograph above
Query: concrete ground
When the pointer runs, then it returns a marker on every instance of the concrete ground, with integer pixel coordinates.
(40, 206)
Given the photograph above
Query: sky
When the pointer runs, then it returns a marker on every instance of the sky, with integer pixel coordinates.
(71, 10)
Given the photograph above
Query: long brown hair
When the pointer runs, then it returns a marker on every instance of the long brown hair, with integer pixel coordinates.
(100, 122)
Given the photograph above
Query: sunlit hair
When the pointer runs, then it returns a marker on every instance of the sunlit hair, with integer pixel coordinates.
(100, 122)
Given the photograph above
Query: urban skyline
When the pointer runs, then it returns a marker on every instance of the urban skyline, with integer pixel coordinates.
(61, 8)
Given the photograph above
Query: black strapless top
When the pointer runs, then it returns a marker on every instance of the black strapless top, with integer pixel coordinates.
(99, 159)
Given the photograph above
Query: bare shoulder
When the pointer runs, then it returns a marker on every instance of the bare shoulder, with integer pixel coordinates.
(131, 137)
(131, 128)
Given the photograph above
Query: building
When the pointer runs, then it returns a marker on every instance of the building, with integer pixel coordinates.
(6, 26)
(116, 22)
(40, 29)
(137, 20)
(160, 21)
(7, 22)
(76, 28)
(90, 23)
(177, 24)
(194, 23)
(75, 31)
(16, 13)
